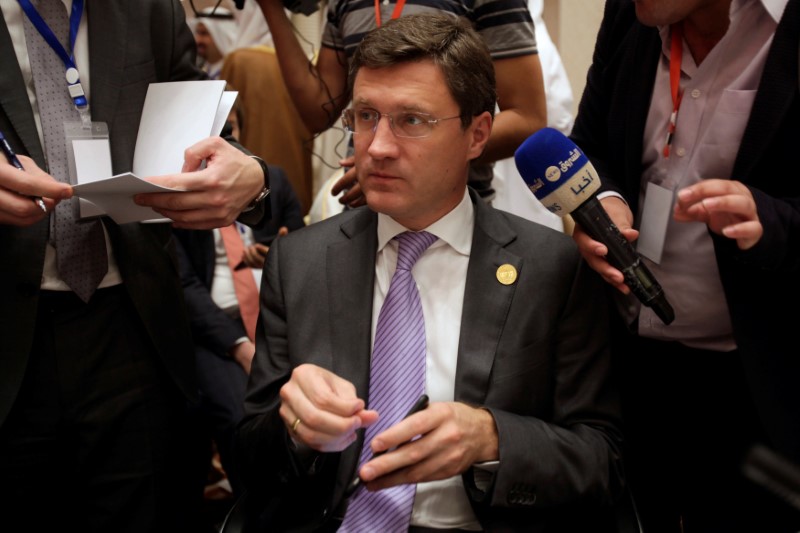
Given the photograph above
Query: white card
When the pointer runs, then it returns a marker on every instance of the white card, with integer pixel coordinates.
(655, 216)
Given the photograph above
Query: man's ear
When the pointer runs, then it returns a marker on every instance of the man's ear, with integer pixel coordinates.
(480, 129)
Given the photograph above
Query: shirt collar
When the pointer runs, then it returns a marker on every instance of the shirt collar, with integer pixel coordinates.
(455, 228)
(775, 9)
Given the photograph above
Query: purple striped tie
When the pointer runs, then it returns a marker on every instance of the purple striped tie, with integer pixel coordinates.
(397, 379)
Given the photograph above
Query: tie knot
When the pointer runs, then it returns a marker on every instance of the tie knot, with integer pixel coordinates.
(412, 245)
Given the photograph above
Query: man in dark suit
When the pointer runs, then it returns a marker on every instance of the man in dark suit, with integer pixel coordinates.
(223, 348)
(93, 388)
(521, 433)
(697, 394)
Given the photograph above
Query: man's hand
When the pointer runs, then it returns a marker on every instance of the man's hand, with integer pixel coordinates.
(454, 437)
(353, 197)
(595, 252)
(18, 186)
(255, 254)
(321, 410)
(218, 193)
(243, 354)
(726, 206)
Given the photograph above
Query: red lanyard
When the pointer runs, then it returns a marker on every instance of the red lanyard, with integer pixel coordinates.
(675, 55)
(398, 8)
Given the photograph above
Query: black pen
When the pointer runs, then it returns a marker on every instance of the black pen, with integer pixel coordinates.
(419, 405)
(13, 160)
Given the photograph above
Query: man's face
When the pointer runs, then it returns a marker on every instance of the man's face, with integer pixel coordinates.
(666, 12)
(416, 181)
(206, 48)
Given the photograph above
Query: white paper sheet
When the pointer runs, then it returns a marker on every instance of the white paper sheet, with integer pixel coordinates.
(176, 115)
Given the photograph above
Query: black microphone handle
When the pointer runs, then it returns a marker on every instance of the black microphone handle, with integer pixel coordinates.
(595, 221)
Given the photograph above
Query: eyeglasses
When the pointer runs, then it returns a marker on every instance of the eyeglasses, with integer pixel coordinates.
(215, 12)
(403, 124)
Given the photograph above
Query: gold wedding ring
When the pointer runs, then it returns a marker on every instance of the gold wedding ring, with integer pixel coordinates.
(295, 424)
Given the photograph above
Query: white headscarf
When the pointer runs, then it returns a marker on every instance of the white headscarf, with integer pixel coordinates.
(224, 31)
(253, 29)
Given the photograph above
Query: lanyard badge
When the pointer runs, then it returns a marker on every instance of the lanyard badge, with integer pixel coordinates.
(675, 57)
(71, 73)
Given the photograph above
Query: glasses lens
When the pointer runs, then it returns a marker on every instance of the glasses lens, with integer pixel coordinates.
(412, 124)
(405, 124)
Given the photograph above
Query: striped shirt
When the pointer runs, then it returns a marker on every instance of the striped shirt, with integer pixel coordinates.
(506, 25)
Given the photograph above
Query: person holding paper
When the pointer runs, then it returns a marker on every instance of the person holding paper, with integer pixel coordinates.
(96, 359)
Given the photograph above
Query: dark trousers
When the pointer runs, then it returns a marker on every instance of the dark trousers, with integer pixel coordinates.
(689, 421)
(221, 387)
(93, 440)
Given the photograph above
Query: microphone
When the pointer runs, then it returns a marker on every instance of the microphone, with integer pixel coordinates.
(560, 175)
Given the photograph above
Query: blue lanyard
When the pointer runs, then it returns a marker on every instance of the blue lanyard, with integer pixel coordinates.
(71, 73)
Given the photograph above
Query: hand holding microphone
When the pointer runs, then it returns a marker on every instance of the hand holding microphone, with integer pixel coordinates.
(564, 180)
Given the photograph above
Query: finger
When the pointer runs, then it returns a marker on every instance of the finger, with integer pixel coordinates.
(202, 150)
(283, 230)
(710, 188)
(33, 182)
(321, 407)
(410, 463)
(739, 205)
(347, 181)
(747, 234)
(19, 210)
(405, 430)
(199, 218)
(354, 197)
(250, 256)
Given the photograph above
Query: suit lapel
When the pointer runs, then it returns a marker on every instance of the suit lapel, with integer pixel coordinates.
(18, 123)
(106, 56)
(350, 281)
(486, 303)
(777, 90)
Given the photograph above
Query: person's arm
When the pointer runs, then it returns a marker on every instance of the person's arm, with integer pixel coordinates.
(211, 327)
(318, 90)
(523, 108)
(591, 133)
(231, 179)
(218, 194)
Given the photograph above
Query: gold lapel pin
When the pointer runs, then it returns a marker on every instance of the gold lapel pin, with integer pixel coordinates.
(506, 274)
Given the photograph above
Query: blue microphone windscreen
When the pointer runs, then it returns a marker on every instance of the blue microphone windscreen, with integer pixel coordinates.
(556, 170)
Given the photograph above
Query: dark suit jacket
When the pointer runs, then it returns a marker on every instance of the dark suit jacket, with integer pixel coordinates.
(211, 327)
(610, 128)
(534, 352)
(131, 45)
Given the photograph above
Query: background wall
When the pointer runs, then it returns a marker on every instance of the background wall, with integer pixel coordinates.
(573, 26)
